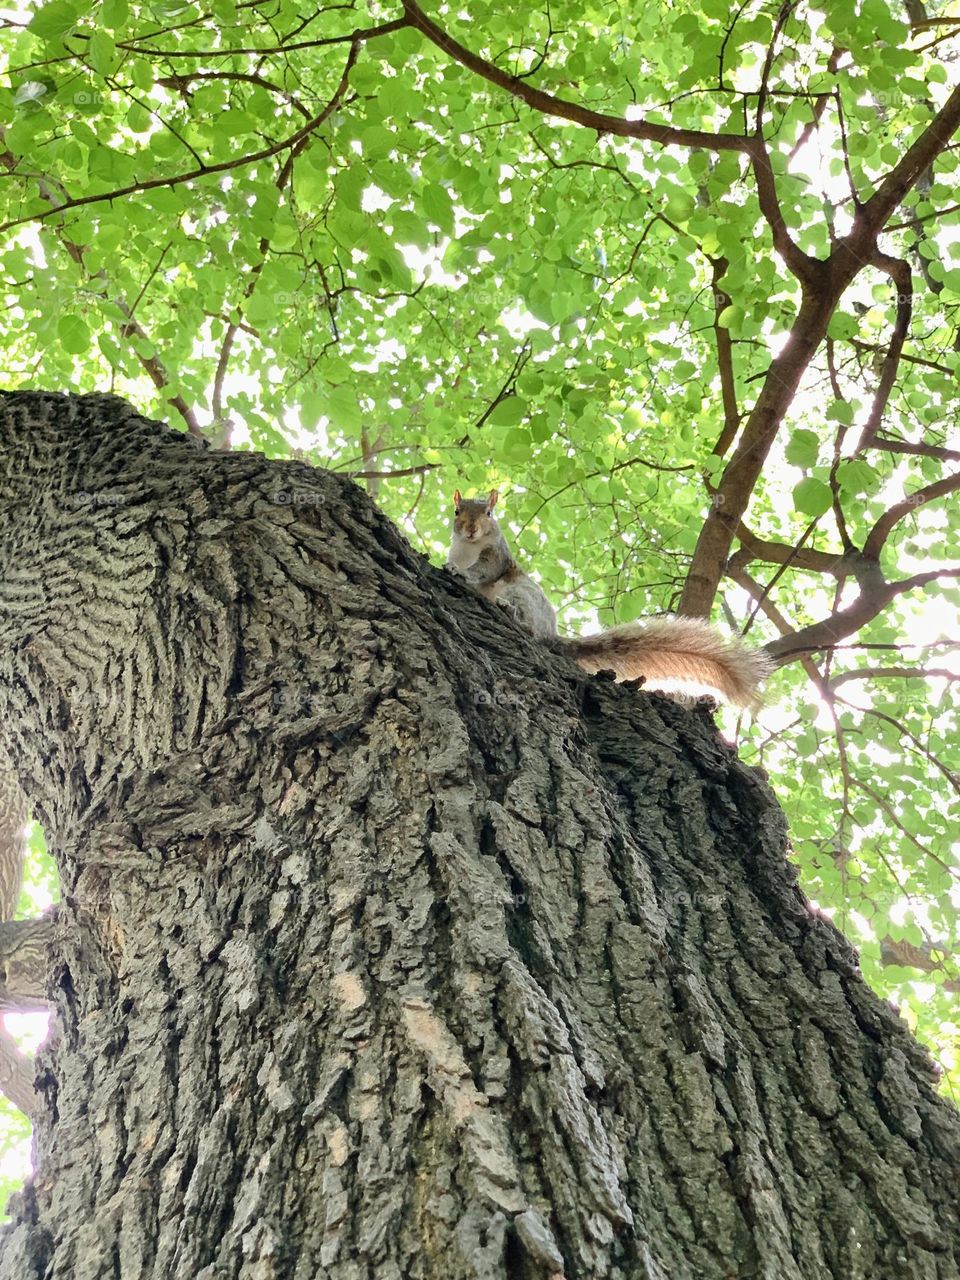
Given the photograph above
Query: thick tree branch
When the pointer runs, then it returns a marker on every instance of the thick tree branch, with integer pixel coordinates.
(662, 134)
(922, 579)
(822, 292)
(920, 449)
(754, 548)
(902, 673)
(881, 531)
(911, 165)
(899, 272)
(728, 385)
(871, 601)
(897, 951)
(740, 476)
(801, 264)
(16, 1074)
(24, 962)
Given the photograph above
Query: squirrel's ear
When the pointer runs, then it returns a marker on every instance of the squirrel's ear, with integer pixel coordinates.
(457, 499)
(492, 500)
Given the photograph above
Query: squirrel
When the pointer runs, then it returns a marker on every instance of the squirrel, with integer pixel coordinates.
(661, 649)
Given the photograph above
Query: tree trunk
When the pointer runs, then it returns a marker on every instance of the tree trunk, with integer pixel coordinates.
(393, 945)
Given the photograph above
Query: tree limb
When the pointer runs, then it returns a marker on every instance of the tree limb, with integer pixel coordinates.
(905, 673)
(753, 548)
(881, 531)
(911, 165)
(739, 479)
(899, 272)
(822, 292)
(24, 962)
(351, 37)
(662, 134)
(922, 450)
(16, 1074)
(871, 601)
(897, 951)
(728, 385)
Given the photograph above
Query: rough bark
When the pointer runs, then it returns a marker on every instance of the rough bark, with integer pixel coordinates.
(392, 945)
(16, 1069)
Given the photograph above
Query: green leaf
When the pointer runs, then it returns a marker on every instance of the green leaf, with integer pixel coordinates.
(138, 119)
(680, 206)
(812, 497)
(54, 20)
(141, 74)
(103, 53)
(840, 411)
(803, 448)
(113, 14)
(516, 445)
(731, 317)
(854, 476)
(74, 334)
(508, 412)
(436, 204)
(342, 408)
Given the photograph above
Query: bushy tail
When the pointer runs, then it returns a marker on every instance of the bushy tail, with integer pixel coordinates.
(674, 650)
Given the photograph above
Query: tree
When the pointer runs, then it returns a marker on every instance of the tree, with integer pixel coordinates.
(681, 279)
(392, 944)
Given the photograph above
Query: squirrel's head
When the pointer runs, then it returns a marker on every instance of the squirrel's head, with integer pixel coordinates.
(473, 518)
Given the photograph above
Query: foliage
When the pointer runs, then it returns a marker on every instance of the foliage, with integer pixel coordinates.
(328, 234)
(14, 1149)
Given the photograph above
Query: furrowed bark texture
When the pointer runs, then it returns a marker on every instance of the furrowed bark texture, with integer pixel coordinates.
(393, 946)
